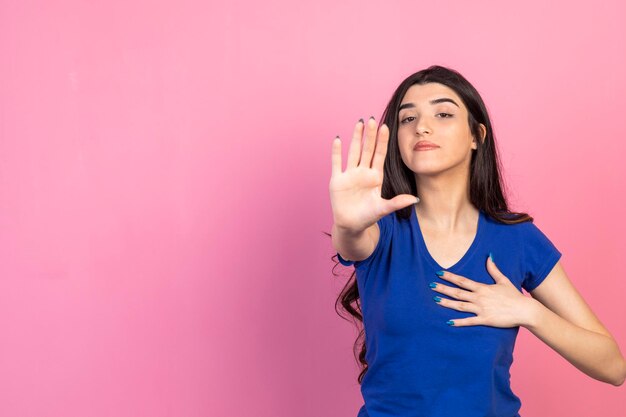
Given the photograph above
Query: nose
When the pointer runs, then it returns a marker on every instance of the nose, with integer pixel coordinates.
(421, 127)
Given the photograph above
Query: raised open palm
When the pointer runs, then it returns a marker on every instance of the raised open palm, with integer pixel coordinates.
(355, 194)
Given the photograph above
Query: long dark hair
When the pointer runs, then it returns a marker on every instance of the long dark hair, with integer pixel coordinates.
(486, 183)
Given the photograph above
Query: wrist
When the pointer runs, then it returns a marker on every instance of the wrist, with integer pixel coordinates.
(346, 231)
(534, 312)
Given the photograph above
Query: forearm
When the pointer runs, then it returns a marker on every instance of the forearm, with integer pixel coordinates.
(595, 354)
(350, 243)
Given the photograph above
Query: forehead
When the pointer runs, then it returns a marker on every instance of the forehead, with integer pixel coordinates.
(421, 94)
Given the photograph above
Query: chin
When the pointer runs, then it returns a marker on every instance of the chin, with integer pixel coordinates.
(425, 165)
(427, 171)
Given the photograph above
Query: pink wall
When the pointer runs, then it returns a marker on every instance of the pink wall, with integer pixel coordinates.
(164, 172)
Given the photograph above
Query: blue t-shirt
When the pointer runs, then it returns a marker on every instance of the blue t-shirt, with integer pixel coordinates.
(418, 366)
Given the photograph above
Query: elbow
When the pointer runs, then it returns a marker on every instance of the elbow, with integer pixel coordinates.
(621, 377)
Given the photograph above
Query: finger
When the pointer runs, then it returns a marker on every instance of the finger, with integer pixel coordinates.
(456, 305)
(336, 157)
(469, 321)
(370, 143)
(456, 293)
(381, 148)
(461, 281)
(495, 272)
(355, 146)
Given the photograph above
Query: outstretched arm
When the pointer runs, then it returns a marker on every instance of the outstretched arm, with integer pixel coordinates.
(562, 319)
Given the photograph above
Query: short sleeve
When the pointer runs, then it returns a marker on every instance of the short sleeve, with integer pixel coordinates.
(539, 256)
(385, 225)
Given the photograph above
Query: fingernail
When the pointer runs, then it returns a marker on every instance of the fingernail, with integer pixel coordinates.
(372, 117)
(437, 298)
(491, 257)
(433, 285)
(440, 273)
(361, 120)
(450, 323)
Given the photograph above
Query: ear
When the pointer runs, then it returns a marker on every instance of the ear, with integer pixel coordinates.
(483, 133)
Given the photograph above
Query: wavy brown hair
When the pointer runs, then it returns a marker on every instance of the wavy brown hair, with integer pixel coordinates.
(486, 182)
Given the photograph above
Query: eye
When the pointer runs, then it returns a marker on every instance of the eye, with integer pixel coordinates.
(407, 119)
(447, 115)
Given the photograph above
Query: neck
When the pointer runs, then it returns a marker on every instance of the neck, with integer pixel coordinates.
(444, 202)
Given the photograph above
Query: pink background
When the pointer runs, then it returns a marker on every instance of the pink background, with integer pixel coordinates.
(164, 172)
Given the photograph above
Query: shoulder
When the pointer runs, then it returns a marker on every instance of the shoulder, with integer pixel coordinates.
(529, 236)
(532, 233)
(521, 229)
(509, 232)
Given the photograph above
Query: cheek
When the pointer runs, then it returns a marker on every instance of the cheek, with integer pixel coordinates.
(404, 144)
(404, 137)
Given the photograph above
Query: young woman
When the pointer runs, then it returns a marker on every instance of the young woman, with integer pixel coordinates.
(440, 261)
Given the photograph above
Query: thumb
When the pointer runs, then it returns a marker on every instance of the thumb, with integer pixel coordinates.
(494, 271)
(402, 201)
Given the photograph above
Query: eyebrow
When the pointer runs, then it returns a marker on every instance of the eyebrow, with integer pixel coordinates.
(435, 101)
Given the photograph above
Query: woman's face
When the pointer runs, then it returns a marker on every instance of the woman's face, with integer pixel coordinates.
(434, 113)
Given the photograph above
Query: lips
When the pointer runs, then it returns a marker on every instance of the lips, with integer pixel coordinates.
(424, 145)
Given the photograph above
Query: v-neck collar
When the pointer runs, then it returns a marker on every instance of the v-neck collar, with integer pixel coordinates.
(467, 255)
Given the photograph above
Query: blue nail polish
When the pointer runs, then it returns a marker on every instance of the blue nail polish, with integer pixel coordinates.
(437, 298)
(433, 285)
(491, 257)
(440, 273)
(450, 323)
